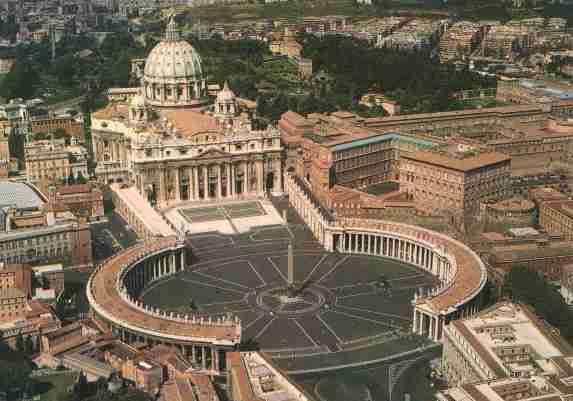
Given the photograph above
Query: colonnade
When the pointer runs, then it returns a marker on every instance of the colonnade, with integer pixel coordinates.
(176, 93)
(152, 269)
(207, 357)
(202, 355)
(457, 294)
(394, 247)
(425, 323)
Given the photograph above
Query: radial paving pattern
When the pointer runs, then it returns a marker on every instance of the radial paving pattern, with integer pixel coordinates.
(341, 302)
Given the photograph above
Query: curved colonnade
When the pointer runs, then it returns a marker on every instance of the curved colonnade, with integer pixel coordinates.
(113, 291)
(460, 272)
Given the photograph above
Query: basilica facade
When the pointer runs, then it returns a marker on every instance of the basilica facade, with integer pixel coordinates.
(174, 144)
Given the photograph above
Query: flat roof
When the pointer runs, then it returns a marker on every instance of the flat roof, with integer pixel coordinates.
(379, 138)
(465, 164)
(143, 210)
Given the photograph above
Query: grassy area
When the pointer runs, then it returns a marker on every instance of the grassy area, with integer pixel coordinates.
(54, 387)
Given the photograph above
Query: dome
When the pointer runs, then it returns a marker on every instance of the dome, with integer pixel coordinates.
(173, 76)
(173, 61)
(226, 94)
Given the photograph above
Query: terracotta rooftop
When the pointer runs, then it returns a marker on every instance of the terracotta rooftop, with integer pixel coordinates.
(106, 294)
(74, 189)
(190, 123)
(465, 164)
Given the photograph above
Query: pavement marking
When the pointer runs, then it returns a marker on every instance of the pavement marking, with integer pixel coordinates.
(265, 328)
(254, 321)
(338, 263)
(203, 269)
(276, 268)
(304, 332)
(315, 267)
(329, 328)
(257, 231)
(365, 319)
(155, 284)
(357, 295)
(374, 312)
(256, 272)
(211, 285)
(226, 302)
(223, 280)
(407, 277)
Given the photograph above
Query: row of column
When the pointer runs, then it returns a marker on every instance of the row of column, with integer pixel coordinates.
(189, 91)
(382, 245)
(428, 325)
(152, 269)
(306, 208)
(205, 356)
(113, 148)
(214, 181)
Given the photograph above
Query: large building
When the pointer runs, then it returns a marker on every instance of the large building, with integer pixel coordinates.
(557, 217)
(31, 233)
(444, 183)
(505, 341)
(252, 376)
(506, 353)
(53, 162)
(83, 200)
(172, 148)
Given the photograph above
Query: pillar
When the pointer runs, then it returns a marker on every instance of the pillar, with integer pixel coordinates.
(206, 182)
(215, 353)
(177, 185)
(161, 186)
(204, 360)
(228, 172)
(246, 186)
(219, 182)
(195, 170)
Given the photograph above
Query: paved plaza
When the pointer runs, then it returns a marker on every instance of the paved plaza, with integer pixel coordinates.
(341, 307)
(229, 218)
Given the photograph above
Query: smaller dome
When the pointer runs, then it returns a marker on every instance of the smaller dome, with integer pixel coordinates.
(226, 94)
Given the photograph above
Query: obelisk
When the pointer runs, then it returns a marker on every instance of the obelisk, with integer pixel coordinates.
(290, 273)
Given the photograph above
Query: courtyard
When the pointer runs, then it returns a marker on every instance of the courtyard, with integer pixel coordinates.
(344, 309)
(229, 218)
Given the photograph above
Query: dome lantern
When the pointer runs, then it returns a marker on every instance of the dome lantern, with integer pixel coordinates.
(172, 32)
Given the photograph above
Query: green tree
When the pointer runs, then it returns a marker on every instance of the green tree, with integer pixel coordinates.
(81, 179)
(15, 369)
(71, 179)
(20, 347)
(29, 345)
(64, 69)
(20, 81)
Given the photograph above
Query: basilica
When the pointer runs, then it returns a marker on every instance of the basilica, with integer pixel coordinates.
(173, 143)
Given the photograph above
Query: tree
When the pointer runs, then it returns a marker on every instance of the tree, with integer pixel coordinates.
(81, 179)
(529, 287)
(20, 347)
(71, 178)
(81, 388)
(20, 81)
(29, 346)
(15, 369)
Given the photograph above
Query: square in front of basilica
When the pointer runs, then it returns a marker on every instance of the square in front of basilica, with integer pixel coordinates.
(226, 217)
